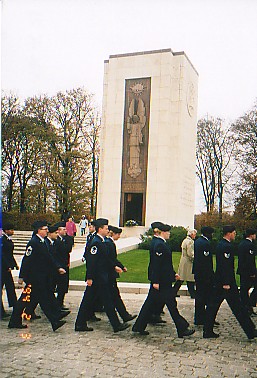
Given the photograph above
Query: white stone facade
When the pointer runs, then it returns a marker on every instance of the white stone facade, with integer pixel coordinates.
(172, 136)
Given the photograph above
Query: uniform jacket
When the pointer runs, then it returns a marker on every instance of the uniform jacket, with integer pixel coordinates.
(225, 274)
(155, 239)
(8, 260)
(112, 255)
(203, 264)
(90, 237)
(246, 259)
(186, 260)
(62, 250)
(97, 262)
(37, 264)
(162, 268)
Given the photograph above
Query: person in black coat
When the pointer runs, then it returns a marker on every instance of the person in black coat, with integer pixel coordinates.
(8, 263)
(247, 268)
(97, 281)
(114, 235)
(226, 288)
(203, 273)
(36, 271)
(62, 249)
(161, 291)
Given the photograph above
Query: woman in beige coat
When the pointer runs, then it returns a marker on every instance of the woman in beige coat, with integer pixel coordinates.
(186, 263)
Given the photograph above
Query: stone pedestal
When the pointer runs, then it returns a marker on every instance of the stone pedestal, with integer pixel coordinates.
(147, 158)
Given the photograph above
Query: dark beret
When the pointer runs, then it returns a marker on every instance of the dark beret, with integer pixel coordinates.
(228, 228)
(92, 223)
(250, 231)
(155, 225)
(38, 224)
(60, 224)
(164, 227)
(8, 226)
(101, 222)
(52, 229)
(207, 230)
(115, 230)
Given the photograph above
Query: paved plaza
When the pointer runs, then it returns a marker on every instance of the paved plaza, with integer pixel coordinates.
(40, 352)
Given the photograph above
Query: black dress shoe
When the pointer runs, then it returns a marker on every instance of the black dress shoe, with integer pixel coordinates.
(210, 335)
(187, 332)
(83, 329)
(95, 319)
(143, 333)
(157, 320)
(35, 317)
(64, 308)
(216, 323)
(121, 327)
(58, 324)
(253, 314)
(129, 318)
(19, 326)
(63, 314)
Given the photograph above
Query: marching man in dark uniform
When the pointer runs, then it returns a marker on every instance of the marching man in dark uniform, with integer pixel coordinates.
(90, 237)
(203, 273)
(97, 280)
(114, 235)
(247, 268)
(8, 263)
(161, 289)
(62, 249)
(226, 288)
(36, 271)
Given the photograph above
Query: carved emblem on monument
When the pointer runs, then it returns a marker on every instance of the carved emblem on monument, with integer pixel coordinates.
(191, 99)
(135, 123)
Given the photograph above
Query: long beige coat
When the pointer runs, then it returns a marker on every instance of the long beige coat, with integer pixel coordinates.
(186, 260)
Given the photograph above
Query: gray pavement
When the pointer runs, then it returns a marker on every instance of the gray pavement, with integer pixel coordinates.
(40, 352)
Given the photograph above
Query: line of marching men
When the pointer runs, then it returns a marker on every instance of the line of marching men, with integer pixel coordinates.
(40, 265)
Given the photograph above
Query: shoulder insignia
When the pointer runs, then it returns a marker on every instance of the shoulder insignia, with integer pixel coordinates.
(93, 250)
(227, 255)
(206, 253)
(158, 253)
(251, 252)
(28, 251)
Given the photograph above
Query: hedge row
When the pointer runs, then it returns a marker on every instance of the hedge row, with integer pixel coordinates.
(24, 221)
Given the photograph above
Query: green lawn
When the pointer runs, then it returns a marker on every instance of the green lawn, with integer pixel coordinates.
(136, 262)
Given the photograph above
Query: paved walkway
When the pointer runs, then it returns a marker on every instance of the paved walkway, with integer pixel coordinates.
(39, 352)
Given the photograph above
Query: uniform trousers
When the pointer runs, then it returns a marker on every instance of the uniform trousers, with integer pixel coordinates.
(87, 306)
(240, 311)
(155, 298)
(253, 295)
(7, 280)
(246, 283)
(203, 296)
(62, 286)
(35, 294)
(118, 302)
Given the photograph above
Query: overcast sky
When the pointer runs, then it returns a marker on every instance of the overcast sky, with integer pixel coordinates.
(52, 45)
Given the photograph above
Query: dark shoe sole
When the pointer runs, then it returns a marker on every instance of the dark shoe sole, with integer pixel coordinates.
(18, 326)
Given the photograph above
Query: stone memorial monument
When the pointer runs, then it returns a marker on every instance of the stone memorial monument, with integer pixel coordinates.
(147, 157)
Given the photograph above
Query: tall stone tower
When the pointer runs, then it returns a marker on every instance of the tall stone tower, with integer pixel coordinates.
(147, 158)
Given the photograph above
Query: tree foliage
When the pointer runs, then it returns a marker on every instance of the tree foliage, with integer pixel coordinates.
(48, 152)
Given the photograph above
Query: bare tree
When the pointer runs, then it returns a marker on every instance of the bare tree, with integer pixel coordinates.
(215, 146)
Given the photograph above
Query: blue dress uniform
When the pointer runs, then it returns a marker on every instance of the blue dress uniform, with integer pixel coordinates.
(98, 268)
(8, 262)
(62, 250)
(162, 273)
(113, 275)
(225, 275)
(204, 276)
(247, 271)
(90, 237)
(36, 271)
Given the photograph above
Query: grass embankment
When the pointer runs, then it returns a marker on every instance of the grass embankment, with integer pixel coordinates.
(136, 262)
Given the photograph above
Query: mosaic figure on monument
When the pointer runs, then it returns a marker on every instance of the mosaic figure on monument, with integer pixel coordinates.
(135, 123)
